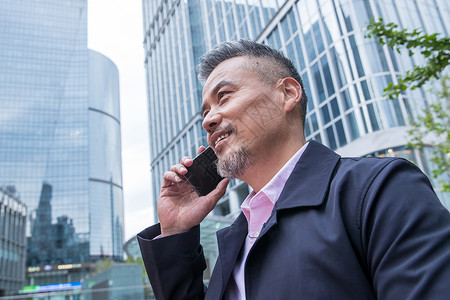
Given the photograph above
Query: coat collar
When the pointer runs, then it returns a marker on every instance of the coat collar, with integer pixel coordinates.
(308, 183)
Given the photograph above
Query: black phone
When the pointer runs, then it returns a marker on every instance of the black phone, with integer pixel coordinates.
(202, 174)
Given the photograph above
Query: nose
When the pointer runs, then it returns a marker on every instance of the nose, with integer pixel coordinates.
(211, 121)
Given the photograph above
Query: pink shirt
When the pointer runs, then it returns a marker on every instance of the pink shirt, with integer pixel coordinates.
(257, 208)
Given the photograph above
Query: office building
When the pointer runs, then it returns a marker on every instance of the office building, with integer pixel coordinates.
(344, 73)
(60, 145)
(13, 215)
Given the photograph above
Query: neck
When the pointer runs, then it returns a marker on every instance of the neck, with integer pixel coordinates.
(268, 164)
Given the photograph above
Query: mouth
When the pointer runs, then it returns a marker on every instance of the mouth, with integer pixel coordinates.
(223, 136)
(219, 136)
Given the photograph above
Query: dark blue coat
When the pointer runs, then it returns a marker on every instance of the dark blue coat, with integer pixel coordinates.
(343, 228)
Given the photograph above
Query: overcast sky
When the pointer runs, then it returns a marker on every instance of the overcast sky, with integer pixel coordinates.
(115, 30)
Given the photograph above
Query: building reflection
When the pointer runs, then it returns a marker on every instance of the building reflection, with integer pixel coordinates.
(53, 243)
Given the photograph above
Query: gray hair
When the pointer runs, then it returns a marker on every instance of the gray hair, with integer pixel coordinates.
(281, 66)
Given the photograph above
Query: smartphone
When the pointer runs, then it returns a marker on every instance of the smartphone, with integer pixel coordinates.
(202, 174)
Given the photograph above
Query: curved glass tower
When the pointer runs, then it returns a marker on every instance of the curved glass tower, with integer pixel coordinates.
(60, 132)
(105, 160)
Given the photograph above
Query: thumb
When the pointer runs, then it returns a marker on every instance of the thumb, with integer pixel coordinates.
(214, 196)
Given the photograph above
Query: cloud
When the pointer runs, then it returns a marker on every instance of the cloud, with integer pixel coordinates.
(138, 221)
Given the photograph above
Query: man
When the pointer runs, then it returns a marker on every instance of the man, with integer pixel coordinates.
(315, 226)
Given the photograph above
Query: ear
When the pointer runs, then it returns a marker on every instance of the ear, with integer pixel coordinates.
(292, 92)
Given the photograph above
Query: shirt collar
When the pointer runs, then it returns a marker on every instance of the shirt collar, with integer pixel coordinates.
(275, 186)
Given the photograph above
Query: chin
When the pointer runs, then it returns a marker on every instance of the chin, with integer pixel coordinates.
(223, 152)
(233, 165)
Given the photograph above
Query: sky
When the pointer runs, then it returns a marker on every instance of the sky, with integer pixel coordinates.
(115, 29)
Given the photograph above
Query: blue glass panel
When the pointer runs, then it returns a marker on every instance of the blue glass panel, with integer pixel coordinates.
(340, 133)
(331, 140)
(230, 22)
(365, 89)
(356, 56)
(325, 114)
(346, 101)
(314, 122)
(353, 126)
(290, 51)
(309, 45)
(308, 87)
(347, 14)
(364, 120)
(105, 148)
(318, 37)
(337, 63)
(334, 108)
(268, 9)
(292, 21)
(301, 62)
(327, 76)
(318, 83)
(318, 138)
(307, 129)
(373, 117)
(398, 112)
(387, 111)
(285, 26)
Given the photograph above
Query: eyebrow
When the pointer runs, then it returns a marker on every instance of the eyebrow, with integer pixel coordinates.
(216, 88)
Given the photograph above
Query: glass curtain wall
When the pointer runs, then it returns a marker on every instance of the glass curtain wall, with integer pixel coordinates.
(345, 73)
(47, 128)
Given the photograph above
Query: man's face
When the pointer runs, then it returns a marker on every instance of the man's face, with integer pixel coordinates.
(241, 115)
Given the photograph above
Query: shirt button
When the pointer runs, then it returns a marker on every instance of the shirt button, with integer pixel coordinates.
(254, 234)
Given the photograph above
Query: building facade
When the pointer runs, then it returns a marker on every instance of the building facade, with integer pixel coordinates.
(13, 216)
(344, 73)
(60, 147)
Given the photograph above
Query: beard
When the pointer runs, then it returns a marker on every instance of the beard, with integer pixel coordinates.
(235, 164)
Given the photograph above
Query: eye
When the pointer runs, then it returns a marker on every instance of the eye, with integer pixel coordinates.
(223, 94)
(205, 113)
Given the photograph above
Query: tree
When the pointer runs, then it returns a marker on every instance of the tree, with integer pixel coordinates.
(435, 121)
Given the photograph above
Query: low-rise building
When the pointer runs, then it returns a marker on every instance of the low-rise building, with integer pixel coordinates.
(12, 242)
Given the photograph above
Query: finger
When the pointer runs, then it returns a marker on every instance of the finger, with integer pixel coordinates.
(179, 169)
(187, 161)
(200, 149)
(170, 178)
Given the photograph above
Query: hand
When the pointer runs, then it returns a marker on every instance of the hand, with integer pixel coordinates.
(180, 207)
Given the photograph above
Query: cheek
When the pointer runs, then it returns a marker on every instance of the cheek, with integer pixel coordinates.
(248, 131)
(254, 112)
(262, 114)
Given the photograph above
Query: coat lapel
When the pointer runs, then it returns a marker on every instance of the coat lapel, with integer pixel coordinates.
(230, 241)
(308, 183)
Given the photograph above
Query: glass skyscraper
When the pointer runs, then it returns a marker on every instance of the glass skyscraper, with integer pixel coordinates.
(344, 73)
(60, 148)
